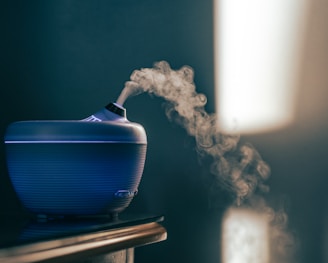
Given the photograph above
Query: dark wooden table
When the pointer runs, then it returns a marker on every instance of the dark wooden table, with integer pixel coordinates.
(79, 239)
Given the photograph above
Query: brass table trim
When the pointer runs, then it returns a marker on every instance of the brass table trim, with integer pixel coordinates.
(85, 245)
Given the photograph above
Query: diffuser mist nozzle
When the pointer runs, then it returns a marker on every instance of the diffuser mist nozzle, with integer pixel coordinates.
(116, 108)
(111, 112)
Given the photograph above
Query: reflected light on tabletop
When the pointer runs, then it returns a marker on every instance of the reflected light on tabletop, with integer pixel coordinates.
(257, 48)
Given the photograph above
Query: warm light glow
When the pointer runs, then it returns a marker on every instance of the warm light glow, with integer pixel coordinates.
(256, 56)
(245, 237)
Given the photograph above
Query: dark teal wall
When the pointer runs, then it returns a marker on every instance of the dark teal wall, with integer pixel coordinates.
(66, 59)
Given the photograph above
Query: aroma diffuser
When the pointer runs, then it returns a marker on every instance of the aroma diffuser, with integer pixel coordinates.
(88, 167)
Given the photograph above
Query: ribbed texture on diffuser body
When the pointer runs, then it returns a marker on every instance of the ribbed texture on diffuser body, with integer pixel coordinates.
(76, 179)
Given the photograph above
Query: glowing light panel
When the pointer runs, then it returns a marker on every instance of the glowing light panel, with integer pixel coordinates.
(256, 46)
(245, 237)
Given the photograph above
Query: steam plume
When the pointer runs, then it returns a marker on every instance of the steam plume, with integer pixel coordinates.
(237, 167)
(242, 172)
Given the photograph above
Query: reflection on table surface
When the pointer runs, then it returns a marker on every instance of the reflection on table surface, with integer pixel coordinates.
(19, 229)
(76, 239)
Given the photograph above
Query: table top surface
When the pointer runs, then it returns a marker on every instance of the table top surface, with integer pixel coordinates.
(28, 239)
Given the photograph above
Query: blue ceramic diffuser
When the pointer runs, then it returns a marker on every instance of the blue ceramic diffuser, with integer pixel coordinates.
(88, 167)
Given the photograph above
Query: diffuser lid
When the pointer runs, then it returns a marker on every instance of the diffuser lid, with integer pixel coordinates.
(74, 132)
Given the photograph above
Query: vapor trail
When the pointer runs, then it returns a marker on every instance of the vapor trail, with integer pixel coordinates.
(236, 166)
(239, 167)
